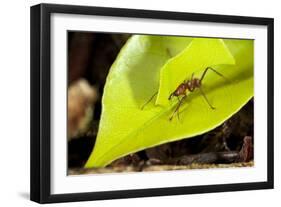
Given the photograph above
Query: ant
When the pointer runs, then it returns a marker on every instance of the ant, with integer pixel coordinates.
(188, 85)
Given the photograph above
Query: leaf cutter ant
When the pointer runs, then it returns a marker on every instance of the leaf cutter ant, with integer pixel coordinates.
(188, 85)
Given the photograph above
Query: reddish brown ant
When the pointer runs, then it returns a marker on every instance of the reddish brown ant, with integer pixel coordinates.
(189, 85)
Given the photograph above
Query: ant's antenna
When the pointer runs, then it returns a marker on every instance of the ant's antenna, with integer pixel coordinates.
(205, 97)
(149, 100)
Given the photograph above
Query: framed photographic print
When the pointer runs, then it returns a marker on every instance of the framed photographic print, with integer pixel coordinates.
(133, 103)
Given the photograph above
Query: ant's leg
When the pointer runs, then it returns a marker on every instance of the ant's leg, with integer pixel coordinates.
(149, 100)
(192, 76)
(202, 92)
(209, 68)
(178, 107)
(178, 110)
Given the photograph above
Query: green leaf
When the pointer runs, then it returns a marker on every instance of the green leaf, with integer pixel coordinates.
(134, 77)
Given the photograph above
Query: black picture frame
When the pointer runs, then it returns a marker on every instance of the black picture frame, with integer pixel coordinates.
(41, 95)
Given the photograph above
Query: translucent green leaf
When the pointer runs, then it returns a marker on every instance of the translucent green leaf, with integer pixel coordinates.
(134, 77)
